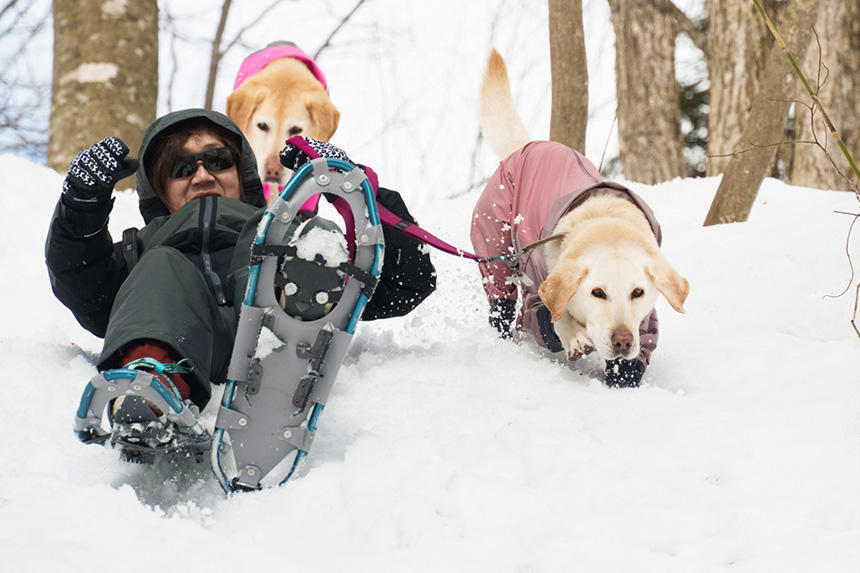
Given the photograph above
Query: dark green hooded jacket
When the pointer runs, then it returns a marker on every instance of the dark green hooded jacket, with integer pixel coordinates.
(198, 260)
(86, 267)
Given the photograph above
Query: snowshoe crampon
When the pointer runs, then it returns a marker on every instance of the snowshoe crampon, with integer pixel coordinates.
(308, 285)
(149, 422)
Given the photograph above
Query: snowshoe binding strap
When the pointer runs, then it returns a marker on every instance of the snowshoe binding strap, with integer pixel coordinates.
(310, 297)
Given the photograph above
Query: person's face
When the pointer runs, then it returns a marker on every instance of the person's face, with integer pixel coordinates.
(202, 182)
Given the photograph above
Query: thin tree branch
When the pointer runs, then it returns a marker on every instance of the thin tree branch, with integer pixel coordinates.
(854, 184)
(238, 37)
(170, 26)
(337, 29)
(9, 5)
(851, 278)
(755, 146)
(854, 316)
(23, 97)
(474, 185)
(25, 44)
(809, 90)
(16, 18)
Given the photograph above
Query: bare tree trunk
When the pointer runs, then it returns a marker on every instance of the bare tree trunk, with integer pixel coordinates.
(838, 30)
(649, 124)
(738, 46)
(764, 128)
(569, 73)
(105, 80)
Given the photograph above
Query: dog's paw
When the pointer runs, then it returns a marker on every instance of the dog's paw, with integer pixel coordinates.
(580, 345)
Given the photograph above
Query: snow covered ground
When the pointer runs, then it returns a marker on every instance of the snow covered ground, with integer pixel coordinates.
(445, 449)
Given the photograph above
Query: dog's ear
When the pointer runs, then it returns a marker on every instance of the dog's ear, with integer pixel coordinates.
(560, 286)
(323, 114)
(242, 103)
(667, 280)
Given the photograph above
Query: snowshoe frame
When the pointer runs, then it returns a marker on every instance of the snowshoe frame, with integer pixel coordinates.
(270, 407)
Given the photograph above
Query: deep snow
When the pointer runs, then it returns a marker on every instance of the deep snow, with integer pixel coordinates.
(445, 449)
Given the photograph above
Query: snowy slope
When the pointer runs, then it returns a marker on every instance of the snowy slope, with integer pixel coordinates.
(445, 449)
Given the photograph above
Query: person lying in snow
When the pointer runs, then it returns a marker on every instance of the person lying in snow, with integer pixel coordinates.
(178, 304)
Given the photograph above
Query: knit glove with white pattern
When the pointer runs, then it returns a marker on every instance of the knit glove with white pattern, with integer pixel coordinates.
(94, 172)
(292, 157)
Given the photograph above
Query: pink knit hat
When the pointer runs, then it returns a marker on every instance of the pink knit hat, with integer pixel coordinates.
(274, 51)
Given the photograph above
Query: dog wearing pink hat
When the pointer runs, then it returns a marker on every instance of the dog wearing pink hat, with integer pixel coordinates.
(280, 92)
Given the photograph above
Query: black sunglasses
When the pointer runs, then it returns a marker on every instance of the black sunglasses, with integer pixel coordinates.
(213, 160)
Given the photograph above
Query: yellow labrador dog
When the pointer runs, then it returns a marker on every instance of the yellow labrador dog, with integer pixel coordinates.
(605, 273)
(593, 285)
(280, 92)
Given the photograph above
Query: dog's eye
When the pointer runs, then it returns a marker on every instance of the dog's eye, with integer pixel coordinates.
(637, 292)
(295, 130)
(263, 126)
(598, 293)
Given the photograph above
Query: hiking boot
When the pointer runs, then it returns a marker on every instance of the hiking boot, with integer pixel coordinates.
(157, 358)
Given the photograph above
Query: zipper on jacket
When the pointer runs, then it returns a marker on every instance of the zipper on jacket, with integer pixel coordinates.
(207, 224)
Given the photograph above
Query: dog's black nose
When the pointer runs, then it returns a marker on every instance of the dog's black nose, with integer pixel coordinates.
(622, 339)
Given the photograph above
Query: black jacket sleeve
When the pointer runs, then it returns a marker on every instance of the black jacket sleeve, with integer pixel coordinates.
(408, 276)
(85, 267)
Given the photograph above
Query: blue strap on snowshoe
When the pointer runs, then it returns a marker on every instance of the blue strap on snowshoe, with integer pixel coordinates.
(271, 405)
(184, 366)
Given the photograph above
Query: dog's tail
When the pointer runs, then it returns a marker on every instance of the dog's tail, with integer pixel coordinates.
(500, 122)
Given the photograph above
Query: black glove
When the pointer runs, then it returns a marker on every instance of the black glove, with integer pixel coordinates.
(94, 172)
(293, 157)
(408, 276)
(622, 373)
(502, 314)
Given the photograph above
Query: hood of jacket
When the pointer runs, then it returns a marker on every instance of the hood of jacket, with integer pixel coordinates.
(151, 206)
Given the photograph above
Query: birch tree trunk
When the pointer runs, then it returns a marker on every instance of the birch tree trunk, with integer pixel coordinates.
(838, 30)
(105, 79)
(569, 74)
(765, 125)
(649, 124)
(737, 51)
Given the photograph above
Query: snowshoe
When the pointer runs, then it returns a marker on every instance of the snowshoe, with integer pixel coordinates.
(147, 420)
(308, 285)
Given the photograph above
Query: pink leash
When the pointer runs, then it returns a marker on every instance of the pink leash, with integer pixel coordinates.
(390, 218)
